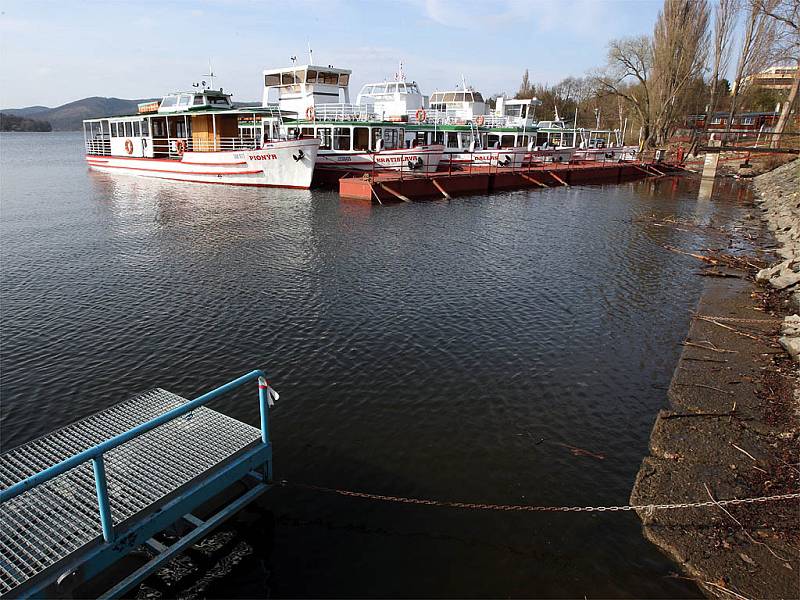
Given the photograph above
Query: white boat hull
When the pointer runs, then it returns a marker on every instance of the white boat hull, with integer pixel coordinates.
(423, 159)
(624, 153)
(286, 164)
(509, 157)
(551, 155)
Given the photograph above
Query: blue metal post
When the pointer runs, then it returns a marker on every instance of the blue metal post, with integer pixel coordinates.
(102, 498)
(263, 404)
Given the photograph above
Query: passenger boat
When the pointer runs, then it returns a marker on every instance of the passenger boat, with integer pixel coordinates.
(353, 137)
(199, 136)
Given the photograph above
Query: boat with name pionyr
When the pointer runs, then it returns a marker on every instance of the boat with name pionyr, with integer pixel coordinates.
(199, 136)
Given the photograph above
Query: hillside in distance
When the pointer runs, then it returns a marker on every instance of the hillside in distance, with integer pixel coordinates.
(70, 116)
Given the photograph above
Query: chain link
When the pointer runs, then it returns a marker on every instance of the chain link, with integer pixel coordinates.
(737, 320)
(532, 508)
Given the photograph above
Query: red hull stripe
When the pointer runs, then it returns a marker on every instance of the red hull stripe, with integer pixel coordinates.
(107, 166)
(270, 185)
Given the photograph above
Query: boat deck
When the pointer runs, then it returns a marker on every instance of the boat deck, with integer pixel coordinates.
(51, 527)
(386, 185)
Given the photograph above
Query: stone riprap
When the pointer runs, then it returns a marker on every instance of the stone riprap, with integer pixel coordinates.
(778, 195)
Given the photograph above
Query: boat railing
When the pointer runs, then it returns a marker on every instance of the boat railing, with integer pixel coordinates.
(98, 146)
(96, 453)
(340, 111)
(455, 117)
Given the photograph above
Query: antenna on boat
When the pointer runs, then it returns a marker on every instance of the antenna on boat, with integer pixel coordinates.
(310, 54)
(210, 76)
(293, 59)
(401, 76)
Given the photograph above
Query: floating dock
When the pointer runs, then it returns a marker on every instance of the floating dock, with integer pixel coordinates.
(392, 186)
(76, 501)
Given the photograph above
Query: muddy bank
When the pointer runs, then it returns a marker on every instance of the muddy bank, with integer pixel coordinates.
(732, 430)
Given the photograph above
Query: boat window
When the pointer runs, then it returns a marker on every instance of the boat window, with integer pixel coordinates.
(477, 97)
(113, 130)
(184, 100)
(391, 139)
(466, 138)
(198, 101)
(219, 100)
(436, 97)
(402, 88)
(341, 138)
(523, 140)
(420, 138)
(272, 80)
(452, 139)
(145, 128)
(137, 132)
(324, 135)
(493, 141)
(128, 129)
(307, 132)
(361, 138)
(169, 102)
(344, 79)
(438, 137)
(507, 141)
(287, 78)
(328, 78)
(311, 76)
(392, 88)
(451, 97)
(376, 135)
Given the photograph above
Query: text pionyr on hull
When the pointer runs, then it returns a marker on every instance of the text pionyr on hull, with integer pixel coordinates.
(198, 136)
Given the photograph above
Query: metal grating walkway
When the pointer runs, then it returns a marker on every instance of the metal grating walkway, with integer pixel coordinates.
(50, 522)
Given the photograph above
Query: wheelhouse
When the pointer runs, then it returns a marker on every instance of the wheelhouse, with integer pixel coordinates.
(466, 103)
(299, 88)
(392, 100)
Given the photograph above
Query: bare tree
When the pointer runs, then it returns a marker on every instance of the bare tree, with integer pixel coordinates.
(786, 14)
(724, 23)
(680, 47)
(627, 76)
(757, 50)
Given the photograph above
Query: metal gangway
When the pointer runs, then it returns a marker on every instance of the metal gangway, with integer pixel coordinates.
(77, 500)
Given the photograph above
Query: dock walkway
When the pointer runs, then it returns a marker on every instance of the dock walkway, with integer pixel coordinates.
(80, 498)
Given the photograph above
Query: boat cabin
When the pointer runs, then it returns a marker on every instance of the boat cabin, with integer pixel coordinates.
(462, 104)
(300, 88)
(201, 121)
(392, 101)
(517, 112)
(350, 137)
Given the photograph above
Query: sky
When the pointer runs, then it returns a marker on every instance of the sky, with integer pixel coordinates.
(53, 52)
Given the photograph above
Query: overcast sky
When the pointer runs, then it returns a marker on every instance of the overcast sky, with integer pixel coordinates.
(55, 52)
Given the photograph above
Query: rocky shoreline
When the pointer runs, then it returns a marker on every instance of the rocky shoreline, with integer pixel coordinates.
(733, 426)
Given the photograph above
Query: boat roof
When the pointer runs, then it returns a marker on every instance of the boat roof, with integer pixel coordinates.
(328, 69)
(241, 110)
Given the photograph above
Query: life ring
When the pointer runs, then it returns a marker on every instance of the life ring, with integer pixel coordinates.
(310, 113)
(421, 115)
(180, 147)
(129, 146)
(479, 121)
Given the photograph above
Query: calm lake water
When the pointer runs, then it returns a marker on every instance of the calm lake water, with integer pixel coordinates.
(448, 350)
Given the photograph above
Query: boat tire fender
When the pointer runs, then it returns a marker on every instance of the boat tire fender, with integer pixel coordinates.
(129, 146)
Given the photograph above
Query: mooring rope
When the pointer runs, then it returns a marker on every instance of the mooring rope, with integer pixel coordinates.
(649, 508)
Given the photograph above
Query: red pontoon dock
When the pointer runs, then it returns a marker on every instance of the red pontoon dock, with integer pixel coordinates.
(389, 186)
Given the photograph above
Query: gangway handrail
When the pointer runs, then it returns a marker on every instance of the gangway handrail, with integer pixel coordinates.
(95, 453)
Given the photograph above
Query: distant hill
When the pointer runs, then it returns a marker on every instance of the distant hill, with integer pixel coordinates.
(17, 123)
(69, 117)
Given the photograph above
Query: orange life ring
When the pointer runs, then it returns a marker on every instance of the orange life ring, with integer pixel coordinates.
(480, 121)
(129, 146)
(421, 115)
(180, 147)
(310, 113)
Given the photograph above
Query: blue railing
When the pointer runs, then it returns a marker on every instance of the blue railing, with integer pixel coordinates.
(95, 453)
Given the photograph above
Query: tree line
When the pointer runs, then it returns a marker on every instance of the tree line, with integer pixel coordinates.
(650, 83)
(14, 123)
